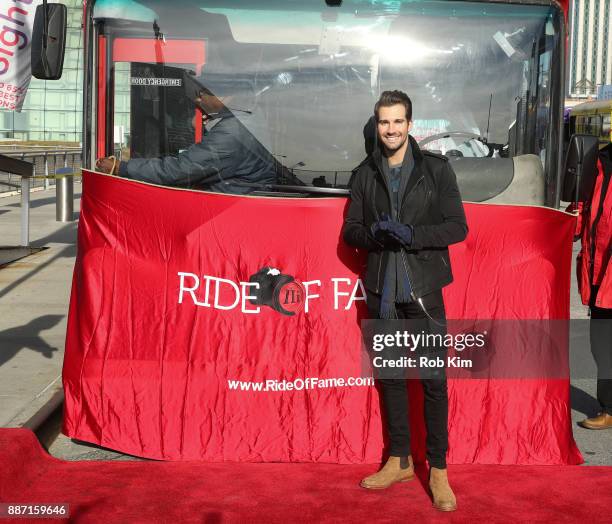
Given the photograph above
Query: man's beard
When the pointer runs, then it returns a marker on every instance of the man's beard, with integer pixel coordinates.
(394, 147)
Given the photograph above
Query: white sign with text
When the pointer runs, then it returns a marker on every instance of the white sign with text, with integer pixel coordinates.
(16, 21)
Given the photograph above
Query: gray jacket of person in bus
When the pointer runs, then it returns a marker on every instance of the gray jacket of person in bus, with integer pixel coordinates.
(227, 160)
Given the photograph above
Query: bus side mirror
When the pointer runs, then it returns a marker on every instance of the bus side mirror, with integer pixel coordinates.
(49, 41)
(580, 168)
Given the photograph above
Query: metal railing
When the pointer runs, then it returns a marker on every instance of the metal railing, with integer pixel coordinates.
(46, 162)
(26, 169)
(23, 170)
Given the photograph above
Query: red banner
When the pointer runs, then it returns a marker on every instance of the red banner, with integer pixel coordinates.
(173, 352)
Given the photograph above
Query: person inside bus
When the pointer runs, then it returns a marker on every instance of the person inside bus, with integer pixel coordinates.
(228, 159)
(405, 210)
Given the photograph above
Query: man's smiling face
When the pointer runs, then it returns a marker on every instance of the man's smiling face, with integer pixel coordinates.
(393, 127)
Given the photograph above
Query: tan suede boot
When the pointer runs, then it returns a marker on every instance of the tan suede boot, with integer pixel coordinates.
(601, 421)
(397, 469)
(443, 496)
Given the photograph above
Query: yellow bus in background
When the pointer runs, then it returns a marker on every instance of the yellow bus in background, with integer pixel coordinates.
(592, 118)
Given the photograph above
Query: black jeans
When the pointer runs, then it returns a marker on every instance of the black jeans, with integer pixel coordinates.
(601, 347)
(395, 397)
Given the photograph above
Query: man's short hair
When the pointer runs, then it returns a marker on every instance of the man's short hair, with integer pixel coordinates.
(392, 98)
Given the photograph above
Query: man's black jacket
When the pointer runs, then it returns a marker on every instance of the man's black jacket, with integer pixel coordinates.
(431, 204)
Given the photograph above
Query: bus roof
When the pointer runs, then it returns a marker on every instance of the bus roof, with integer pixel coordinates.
(593, 106)
(296, 4)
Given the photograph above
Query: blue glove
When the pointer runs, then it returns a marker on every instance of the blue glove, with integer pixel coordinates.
(401, 233)
(383, 237)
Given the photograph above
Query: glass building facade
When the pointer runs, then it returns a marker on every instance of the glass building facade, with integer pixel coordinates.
(53, 109)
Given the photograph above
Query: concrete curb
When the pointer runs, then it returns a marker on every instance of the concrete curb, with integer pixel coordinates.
(10, 254)
(38, 411)
(45, 412)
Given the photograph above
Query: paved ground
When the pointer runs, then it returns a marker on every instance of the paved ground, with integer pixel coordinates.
(34, 295)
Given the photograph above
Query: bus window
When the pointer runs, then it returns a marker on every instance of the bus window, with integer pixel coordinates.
(594, 125)
(161, 118)
(605, 127)
(483, 84)
(122, 111)
(594, 118)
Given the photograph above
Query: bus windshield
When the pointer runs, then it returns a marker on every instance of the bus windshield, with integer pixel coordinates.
(301, 79)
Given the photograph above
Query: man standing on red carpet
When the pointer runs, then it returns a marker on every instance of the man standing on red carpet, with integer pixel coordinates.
(406, 210)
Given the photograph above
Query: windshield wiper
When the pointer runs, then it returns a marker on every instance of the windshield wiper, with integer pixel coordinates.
(314, 190)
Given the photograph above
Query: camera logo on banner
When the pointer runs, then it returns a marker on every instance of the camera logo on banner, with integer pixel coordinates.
(283, 293)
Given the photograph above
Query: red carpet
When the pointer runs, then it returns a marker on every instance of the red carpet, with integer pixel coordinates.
(177, 492)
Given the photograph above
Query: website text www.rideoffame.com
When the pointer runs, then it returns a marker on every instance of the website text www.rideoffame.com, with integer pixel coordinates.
(299, 384)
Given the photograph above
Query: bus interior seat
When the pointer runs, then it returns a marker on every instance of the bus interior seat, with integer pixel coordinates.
(481, 179)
